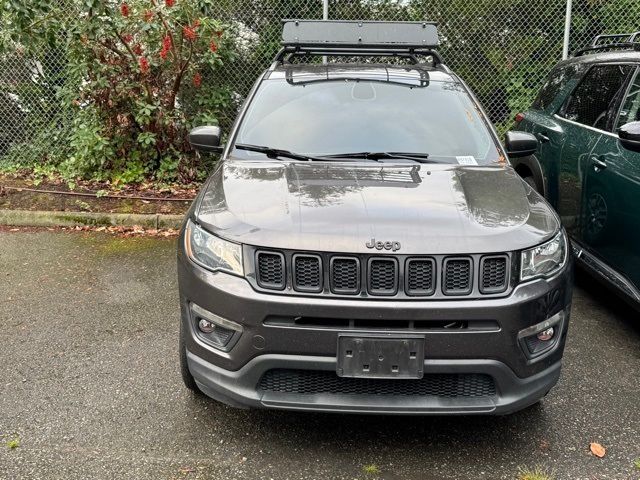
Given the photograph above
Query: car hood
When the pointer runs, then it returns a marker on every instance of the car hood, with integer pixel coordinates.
(339, 207)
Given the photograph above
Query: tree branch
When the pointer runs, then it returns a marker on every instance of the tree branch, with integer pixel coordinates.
(168, 30)
(178, 80)
(135, 59)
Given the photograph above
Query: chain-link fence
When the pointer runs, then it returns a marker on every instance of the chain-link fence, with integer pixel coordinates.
(502, 48)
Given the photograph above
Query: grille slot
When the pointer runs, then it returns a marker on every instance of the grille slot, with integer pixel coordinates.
(457, 276)
(345, 275)
(420, 276)
(307, 273)
(494, 274)
(270, 271)
(383, 276)
(309, 382)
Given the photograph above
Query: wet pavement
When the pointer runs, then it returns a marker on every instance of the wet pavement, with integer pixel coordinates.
(90, 388)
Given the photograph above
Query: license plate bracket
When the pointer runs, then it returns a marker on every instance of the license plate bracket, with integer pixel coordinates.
(379, 356)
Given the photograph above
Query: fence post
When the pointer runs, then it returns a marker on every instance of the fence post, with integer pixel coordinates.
(567, 31)
(325, 16)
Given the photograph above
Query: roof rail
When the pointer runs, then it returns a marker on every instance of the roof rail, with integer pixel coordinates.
(615, 41)
(359, 38)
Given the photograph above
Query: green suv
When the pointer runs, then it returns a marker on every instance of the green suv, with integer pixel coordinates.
(586, 118)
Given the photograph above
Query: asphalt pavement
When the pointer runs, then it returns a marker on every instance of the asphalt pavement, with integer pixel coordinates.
(90, 388)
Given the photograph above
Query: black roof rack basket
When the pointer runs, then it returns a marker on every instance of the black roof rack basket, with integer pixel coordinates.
(615, 41)
(359, 38)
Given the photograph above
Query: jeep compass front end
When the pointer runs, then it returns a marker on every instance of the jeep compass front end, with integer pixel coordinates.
(363, 245)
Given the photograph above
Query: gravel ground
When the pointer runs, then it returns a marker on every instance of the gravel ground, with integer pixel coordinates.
(90, 388)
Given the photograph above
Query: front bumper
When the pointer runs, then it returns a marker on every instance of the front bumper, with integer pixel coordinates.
(238, 388)
(234, 377)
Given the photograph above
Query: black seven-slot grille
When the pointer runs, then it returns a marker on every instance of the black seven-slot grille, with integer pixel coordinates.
(412, 276)
(309, 382)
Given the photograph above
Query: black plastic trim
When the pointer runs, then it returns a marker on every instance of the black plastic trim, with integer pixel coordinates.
(507, 278)
(299, 288)
(467, 291)
(269, 285)
(383, 292)
(434, 270)
(346, 291)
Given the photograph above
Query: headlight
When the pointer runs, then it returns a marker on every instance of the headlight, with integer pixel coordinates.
(544, 260)
(212, 252)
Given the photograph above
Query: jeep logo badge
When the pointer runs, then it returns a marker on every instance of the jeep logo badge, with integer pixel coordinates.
(393, 246)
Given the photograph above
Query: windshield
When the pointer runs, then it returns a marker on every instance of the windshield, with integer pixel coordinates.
(334, 117)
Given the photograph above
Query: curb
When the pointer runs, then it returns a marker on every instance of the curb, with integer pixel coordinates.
(29, 218)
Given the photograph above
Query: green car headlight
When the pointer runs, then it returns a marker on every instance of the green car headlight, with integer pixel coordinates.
(212, 252)
(544, 260)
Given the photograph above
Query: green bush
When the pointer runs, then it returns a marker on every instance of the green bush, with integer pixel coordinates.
(124, 70)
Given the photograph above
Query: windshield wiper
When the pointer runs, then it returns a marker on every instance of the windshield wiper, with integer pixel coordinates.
(278, 153)
(416, 157)
(336, 157)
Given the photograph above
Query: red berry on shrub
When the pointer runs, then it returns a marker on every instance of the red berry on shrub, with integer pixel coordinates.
(189, 33)
(137, 49)
(197, 80)
(124, 10)
(144, 65)
(169, 3)
(213, 47)
(166, 46)
(148, 15)
(127, 38)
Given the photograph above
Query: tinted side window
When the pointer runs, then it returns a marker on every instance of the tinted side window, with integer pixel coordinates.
(630, 111)
(556, 80)
(593, 100)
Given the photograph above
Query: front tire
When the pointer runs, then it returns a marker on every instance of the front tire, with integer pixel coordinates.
(187, 378)
(531, 182)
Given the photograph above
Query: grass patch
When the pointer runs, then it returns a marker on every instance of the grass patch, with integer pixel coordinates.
(371, 469)
(636, 463)
(118, 246)
(537, 473)
(13, 443)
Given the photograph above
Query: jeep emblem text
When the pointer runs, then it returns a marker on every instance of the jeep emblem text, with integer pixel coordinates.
(393, 246)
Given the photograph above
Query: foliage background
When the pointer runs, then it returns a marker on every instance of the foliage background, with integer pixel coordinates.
(69, 105)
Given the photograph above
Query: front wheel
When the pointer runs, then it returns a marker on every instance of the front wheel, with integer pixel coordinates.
(187, 378)
(531, 182)
(596, 228)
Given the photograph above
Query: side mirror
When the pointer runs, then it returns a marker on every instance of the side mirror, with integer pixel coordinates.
(206, 139)
(629, 136)
(520, 144)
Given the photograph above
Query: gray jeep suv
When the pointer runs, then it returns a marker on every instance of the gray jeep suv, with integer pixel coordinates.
(364, 245)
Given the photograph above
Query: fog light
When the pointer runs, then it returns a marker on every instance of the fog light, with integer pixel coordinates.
(214, 329)
(546, 335)
(541, 338)
(206, 326)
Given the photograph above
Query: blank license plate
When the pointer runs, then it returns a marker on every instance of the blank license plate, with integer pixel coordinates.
(380, 357)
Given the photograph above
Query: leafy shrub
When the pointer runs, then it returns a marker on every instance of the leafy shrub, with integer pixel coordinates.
(127, 66)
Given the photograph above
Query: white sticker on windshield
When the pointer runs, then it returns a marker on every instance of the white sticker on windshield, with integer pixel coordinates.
(467, 160)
